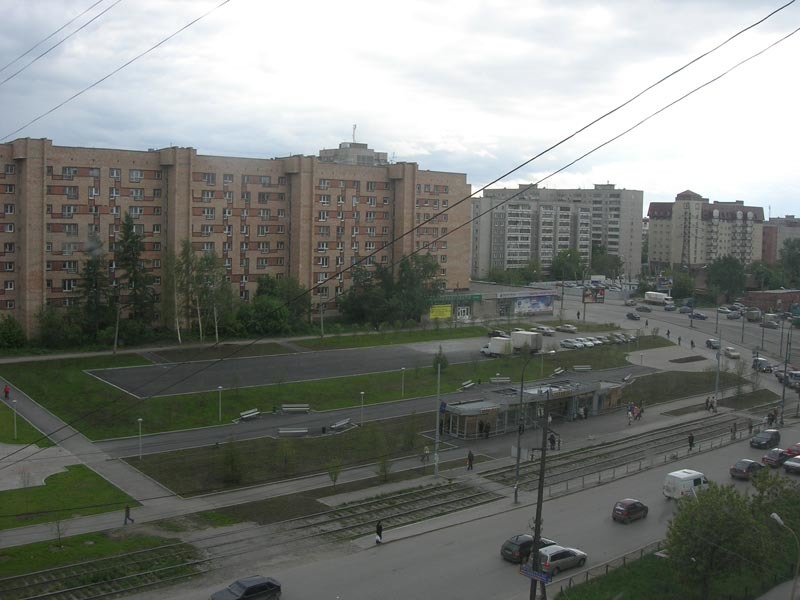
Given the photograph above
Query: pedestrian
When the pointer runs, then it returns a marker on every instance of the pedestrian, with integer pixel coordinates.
(770, 419)
(128, 516)
(6, 390)
(480, 428)
(691, 441)
(714, 404)
(558, 442)
(637, 413)
(470, 460)
(426, 455)
(708, 403)
(749, 426)
(630, 418)
(667, 333)
(379, 533)
(552, 440)
(647, 322)
(692, 343)
(486, 430)
(679, 340)
(579, 315)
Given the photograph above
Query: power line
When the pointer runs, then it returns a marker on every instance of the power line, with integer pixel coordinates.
(43, 40)
(57, 44)
(475, 217)
(115, 71)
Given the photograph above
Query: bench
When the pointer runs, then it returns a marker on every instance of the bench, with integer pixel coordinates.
(579, 368)
(340, 424)
(295, 408)
(558, 371)
(248, 414)
(500, 379)
(466, 385)
(293, 431)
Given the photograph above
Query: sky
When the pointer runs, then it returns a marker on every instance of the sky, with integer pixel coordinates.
(467, 86)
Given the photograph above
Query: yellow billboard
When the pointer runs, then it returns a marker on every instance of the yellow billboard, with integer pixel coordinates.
(441, 311)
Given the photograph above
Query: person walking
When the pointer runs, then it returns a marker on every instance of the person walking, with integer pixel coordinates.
(379, 533)
(470, 460)
(552, 440)
(691, 441)
(558, 442)
(679, 340)
(6, 390)
(708, 403)
(667, 333)
(426, 455)
(691, 342)
(128, 516)
(647, 323)
(486, 429)
(630, 417)
(714, 404)
(579, 315)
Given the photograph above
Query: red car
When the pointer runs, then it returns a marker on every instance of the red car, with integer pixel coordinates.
(793, 450)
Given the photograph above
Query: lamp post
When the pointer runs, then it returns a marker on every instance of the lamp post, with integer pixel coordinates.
(436, 429)
(14, 406)
(537, 529)
(219, 401)
(520, 424)
(785, 368)
(775, 517)
(140, 437)
(362, 409)
(743, 318)
(402, 383)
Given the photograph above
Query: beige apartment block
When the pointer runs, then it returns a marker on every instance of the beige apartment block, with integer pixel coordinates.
(516, 225)
(692, 232)
(307, 217)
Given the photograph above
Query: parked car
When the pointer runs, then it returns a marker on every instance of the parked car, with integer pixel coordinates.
(555, 559)
(633, 316)
(792, 465)
(630, 302)
(793, 450)
(670, 307)
(498, 333)
(745, 468)
(570, 344)
(733, 315)
(724, 310)
(779, 370)
(762, 364)
(567, 328)
(770, 325)
(644, 308)
(605, 339)
(586, 342)
(628, 510)
(731, 352)
(544, 330)
(517, 548)
(256, 587)
(698, 315)
(712, 343)
(768, 438)
(595, 340)
(620, 338)
(685, 309)
(775, 457)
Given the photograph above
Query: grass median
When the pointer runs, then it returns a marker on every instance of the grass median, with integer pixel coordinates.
(25, 432)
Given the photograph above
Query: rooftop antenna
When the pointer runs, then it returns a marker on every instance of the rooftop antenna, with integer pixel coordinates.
(769, 211)
(354, 132)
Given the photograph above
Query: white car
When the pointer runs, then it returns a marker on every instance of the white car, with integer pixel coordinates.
(544, 330)
(571, 344)
(596, 341)
(567, 328)
(586, 342)
(724, 310)
(731, 352)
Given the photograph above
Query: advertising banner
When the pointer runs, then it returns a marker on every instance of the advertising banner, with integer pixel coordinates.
(441, 311)
(594, 295)
(533, 304)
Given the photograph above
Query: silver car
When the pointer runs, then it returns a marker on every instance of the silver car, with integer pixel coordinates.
(596, 341)
(571, 344)
(555, 559)
(586, 342)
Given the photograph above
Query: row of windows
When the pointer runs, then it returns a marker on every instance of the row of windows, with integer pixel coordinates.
(369, 215)
(372, 186)
(436, 189)
(325, 200)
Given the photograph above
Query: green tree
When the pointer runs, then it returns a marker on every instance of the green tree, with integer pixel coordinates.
(682, 285)
(214, 291)
(11, 333)
(295, 296)
(415, 288)
(567, 264)
(135, 280)
(334, 468)
(604, 263)
(265, 315)
(97, 302)
(713, 536)
(727, 275)
(790, 261)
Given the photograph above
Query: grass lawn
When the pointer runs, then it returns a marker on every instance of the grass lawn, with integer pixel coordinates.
(77, 492)
(666, 386)
(91, 406)
(222, 351)
(26, 433)
(332, 342)
(46, 555)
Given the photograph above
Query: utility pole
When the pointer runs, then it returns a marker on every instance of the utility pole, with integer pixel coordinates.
(436, 430)
(521, 423)
(785, 368)
(537, 530)
(716, 383)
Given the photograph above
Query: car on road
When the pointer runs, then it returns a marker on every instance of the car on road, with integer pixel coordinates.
(731, 352)
(570, 344)
(587, 343)
(762, 365)
(779, 370)
(793, 450)
(724, 310)
(770, 325)
(712, 343)
(517, 548)
(733, 315)
(768, 438)
(775, 457)
(567, 328)
(792, 465)
(555, 559)
(630, 302)
(698, 315)
(498, 333)
(644, 308)
(544, 330)
(633, 316)
(595, 340)
(685, 309)
(745, 468)
(628, 510)
(670, 307)
(255, 587)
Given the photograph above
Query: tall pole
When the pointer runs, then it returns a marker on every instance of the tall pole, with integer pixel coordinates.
(537, 530)
(140, 437)
(716, 325)
(14, 405)
(785, 368)
(436, 429)
(743, 318)
(780, 346)
(716, 383)
(780, 522)
(521, 423)
(362, 409)
(763, 322)
(402, 382)
(219, 401)
(562, 297)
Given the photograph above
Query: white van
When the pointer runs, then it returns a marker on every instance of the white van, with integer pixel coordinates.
(684, 483)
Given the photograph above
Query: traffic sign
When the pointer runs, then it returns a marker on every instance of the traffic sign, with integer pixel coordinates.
(527, 570)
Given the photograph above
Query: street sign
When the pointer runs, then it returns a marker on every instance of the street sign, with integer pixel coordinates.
(527, 570)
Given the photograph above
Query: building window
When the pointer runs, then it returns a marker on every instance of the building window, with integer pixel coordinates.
(263, 197)
(9, 188)
(135, 175)
(264, 180)
(9, 304)
(68, 285)
(156, 263)
(281, 212)
(208, 213)
(10, 169)
(8, 285)
(228, 196)
(157, 228)
(246, 196)
(137, 194)
(210, 178)
(8, 266)
(157, 210)
(9, 228)
(227, 178)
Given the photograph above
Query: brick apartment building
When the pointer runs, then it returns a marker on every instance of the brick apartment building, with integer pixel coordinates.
(301, 216)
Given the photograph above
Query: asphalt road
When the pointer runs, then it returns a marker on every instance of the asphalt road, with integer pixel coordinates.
(463, 561)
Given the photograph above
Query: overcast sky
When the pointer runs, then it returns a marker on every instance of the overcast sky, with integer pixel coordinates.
(467, 86)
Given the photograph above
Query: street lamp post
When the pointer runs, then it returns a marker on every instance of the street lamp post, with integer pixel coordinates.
(785, 368)
(14, 405)
(219, 401)
(362, 409)
(402, 383)
(436, 429)
(140, 437)
(520, 424)
(743, 318)
(775, 517)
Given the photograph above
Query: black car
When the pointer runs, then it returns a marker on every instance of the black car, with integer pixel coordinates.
(517, 548)
(644, 308)
(255, 586)
(633, 316)
(628, 510)
(745, 468)
(670, 307)
(769, 438)
(697, 315)
(712, 343)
